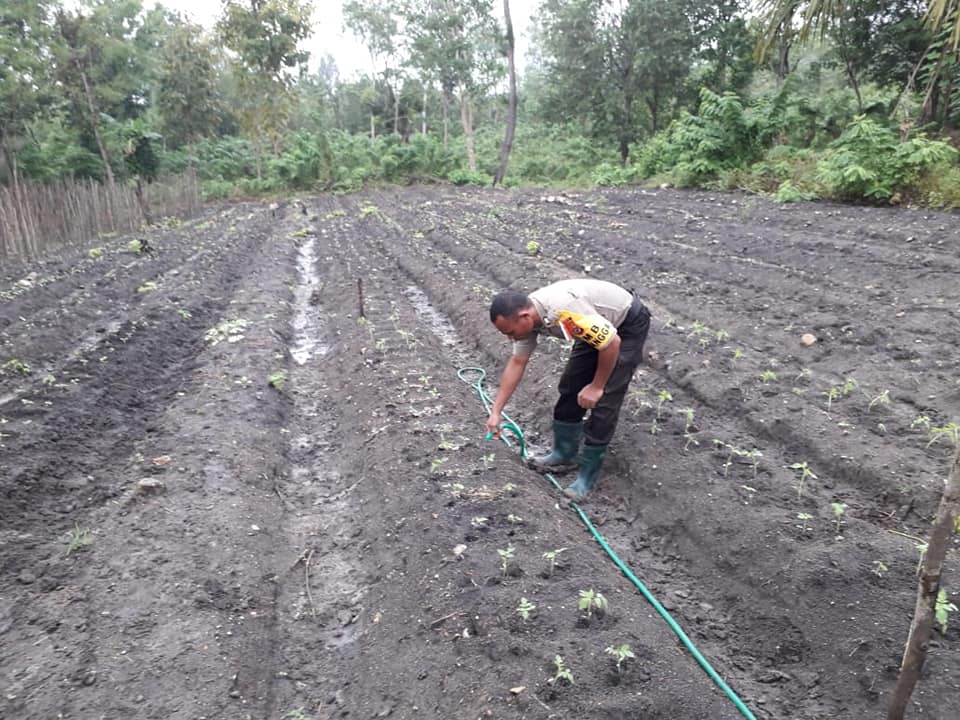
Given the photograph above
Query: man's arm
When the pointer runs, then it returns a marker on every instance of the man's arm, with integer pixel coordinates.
(512, 374)
(606, 362)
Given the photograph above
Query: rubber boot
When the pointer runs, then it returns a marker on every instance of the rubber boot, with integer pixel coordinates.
(589, 471)
(566, 445)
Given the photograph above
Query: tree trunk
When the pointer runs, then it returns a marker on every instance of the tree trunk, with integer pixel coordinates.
(446, 118)
(95, 124)
(512, 105)
(466, 119)
(423, 122)
(915, 652)
(855, 84)
(142, 202)
(373, 128)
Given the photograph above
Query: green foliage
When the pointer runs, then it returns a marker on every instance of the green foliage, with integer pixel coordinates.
(867, 162)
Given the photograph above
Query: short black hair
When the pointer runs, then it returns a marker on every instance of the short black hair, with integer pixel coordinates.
(508, 303)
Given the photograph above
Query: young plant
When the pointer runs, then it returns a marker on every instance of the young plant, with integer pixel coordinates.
(839, 509)
(804, 518)
(831, 394)
(768, 376)
(943, 610)
(78, 538)
(562, 673)
(277, 379)
(533, 247)
(805, 474)
(951, 431)
(879, 568)
(525, 608)
(737, 355)
(15, 366)
(881, 399)
(591, 602)
(436, 463)
(721, 335)
(488, 460)
(551, 558)
(698, 329)
(480, 523)
(506, 556)
(663, 397)
(620, 654)
(754, 456)
(687, 418)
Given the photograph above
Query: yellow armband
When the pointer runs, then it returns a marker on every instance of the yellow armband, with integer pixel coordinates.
(594, 330)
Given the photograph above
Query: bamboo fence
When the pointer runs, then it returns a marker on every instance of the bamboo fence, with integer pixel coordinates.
(38, 218)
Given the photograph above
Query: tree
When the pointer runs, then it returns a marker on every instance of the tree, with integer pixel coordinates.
(265, 35)
(512, 102)
(187, 93)
(458, 42)
(620, 71)
(24, 73)
(376, 24)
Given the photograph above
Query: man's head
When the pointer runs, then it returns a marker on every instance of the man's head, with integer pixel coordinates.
(513, 314)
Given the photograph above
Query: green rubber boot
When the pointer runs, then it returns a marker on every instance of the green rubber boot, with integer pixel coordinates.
(566, 445)
(589, 471)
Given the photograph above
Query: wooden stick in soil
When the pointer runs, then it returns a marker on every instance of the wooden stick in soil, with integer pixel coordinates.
(360, 295)
(306, 573)
(915, 652)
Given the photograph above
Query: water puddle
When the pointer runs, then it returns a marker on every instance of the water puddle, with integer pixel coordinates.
(307, 327)
(438, 323)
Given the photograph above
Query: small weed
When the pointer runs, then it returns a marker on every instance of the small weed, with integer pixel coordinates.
(879, 568)
(185, 314)
(480, 523)
(525, 608)
(514, 519)
(15, 366)
(882, 399)
(488, 461)
(805, 474)
(804, 518)
(721, 335)
(95, 253)
(663, 397)
(591, 602)
(951, 431)
(698, 329)
(276, 379)
(301, 233)
(738, 354)
(768, 376)
(562, 672)
(620, 654)
(921, 421)
(551, 558)
(368, 210)
(148, 286)
(436, 463)
(943, 610)
(839, 509)
(229, 330)
(533, 248)
(78, 539)
(505, 557)
(135, 246)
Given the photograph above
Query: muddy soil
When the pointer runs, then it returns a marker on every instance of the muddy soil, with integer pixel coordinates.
(243, 478)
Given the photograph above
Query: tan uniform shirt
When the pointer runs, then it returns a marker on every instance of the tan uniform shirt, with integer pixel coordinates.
(580, 309)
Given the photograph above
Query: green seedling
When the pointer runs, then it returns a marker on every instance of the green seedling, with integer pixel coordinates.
(380, 345)
(951, 431)
(831, 395)
(488, 460)
(15, 366)
(409, 338)
(721, 335)
(921, 421)
(135, 246)
(185, 314)
(803, 375)
(943, 610)
(591, 602)
(879, 568)
(621, 654)
(436, 463)
(690, 438)
(562, 673)
(639, 399)
(804, 518)
(276, 379)
(525, 608)
(364, 323)
(805, 474)
(533, 247)
(768, 376)
(551, 558)
(738, 354)
(514, 519)
(881, 399)
(95, 253)
(687, 417)
(663, 397)
(78, 538)
(367, 211)
(839, 509)
(754, 456)
(148, 286)
(480, 523)
(445, 444)
(698, 329)
(505, 557)
(849, 385)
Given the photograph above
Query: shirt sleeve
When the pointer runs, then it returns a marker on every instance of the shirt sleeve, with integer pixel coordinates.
(525, 347)
(590, 328)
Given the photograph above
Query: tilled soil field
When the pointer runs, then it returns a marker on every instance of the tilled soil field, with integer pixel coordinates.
(243, 478)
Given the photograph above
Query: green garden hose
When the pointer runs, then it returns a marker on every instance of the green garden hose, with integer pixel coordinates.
(514, 429)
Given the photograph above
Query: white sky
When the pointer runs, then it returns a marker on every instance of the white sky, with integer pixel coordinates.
(329, 35)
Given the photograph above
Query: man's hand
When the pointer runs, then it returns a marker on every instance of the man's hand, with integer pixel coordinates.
(589, 396)
(493, 424)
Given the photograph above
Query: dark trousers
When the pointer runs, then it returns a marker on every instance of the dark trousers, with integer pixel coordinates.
(582, 366)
